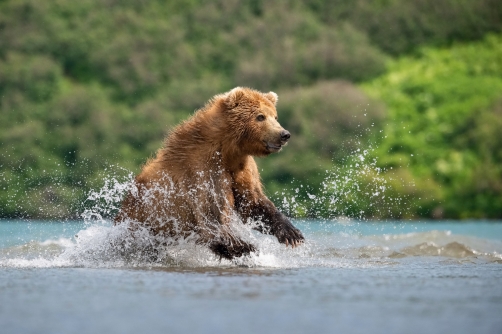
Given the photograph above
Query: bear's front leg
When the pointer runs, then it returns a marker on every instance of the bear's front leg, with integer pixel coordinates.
(273, 221)
(214, 228)
(276, 223)
(230, 250)
(251, 202)
(222, 242)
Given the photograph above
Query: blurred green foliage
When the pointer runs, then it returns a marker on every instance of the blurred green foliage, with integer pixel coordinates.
(401, 26)
(446, 112)
(88, 89)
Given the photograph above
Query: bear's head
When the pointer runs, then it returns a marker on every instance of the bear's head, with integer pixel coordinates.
(252, 118)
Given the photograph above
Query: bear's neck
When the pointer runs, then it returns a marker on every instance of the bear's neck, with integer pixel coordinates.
(224, 137)
(234, 161)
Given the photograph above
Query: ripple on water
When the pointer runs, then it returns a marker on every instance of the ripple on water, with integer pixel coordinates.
(101, 245)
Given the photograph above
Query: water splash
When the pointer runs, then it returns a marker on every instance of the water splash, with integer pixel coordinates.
(333, 244)
(355, 189)
(104, 203)
(344, 192)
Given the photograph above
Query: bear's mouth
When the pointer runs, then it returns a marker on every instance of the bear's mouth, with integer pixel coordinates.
(273, 147)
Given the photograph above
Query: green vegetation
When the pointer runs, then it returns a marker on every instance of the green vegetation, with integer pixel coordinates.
(446, 112)
(89, 88)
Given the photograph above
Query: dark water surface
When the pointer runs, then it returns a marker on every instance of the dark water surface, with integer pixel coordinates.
(350, 277)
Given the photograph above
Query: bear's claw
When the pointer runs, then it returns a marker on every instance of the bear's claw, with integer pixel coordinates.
(233, 250)
(289, 235)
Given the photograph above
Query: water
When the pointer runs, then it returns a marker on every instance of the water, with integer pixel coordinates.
(349, 277)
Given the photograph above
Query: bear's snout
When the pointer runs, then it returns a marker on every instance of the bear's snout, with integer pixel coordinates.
(285, 135)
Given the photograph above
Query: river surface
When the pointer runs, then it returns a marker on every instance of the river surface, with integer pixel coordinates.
(349, 277)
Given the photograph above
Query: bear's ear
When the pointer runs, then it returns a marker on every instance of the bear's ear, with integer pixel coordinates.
(234, 97)
(272, 97)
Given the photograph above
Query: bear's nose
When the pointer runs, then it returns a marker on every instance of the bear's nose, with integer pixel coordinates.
(285, 135)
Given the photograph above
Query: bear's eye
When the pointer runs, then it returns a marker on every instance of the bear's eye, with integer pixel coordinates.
(276, 118)
(260, 118)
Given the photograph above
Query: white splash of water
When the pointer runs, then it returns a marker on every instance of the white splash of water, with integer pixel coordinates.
(101, 244)
(356, 189)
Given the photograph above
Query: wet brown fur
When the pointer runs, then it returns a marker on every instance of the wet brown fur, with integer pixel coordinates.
(206, 171)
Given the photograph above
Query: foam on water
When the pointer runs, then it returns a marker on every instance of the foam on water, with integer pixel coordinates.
(101, 245)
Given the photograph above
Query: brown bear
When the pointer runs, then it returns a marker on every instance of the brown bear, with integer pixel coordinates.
(205, 174)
